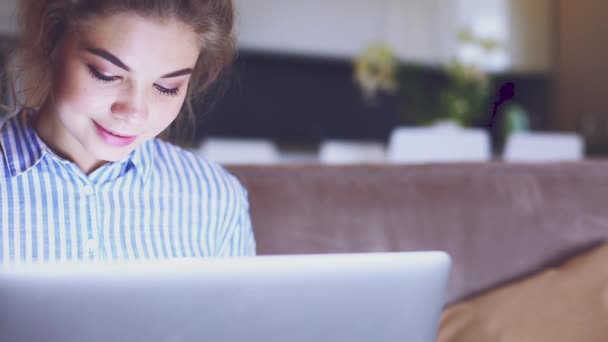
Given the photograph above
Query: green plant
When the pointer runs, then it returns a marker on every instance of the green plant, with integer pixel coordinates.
(376, 70)
(465, 95)
(459, 91)
(468, 86)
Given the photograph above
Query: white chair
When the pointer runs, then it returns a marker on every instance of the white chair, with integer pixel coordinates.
(239, 151)
(438, 144)
(351, 152)
(299, 157)
(543, 147)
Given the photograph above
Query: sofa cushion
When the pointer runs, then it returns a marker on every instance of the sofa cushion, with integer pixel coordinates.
(498, 221)
(569, 303)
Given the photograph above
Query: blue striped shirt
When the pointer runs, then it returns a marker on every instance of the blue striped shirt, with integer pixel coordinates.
(161, 202)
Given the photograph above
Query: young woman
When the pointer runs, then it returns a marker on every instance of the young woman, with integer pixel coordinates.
(83, 176)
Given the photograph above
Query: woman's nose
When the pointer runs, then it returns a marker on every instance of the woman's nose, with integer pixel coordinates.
(130, 107)
(128, 111)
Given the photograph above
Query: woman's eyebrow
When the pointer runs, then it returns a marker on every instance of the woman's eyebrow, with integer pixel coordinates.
(107, 56)
(116, 61)
(182, 72)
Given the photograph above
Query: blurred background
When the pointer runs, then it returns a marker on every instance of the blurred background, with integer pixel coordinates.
(363, 81)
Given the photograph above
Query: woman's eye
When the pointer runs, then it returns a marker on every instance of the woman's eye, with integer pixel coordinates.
(101, 77)
(165, 91)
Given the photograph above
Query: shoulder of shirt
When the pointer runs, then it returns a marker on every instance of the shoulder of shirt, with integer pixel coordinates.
(201, 169)
(4, 173)
(3, 165)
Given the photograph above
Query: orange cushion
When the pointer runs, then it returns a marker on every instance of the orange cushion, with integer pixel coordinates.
(569, 303)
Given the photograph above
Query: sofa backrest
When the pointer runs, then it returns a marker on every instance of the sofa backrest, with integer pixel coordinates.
(499, 222)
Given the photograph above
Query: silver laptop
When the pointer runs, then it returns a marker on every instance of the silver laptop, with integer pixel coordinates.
(389, 297)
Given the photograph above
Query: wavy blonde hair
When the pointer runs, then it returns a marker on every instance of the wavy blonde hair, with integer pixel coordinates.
(44, 23)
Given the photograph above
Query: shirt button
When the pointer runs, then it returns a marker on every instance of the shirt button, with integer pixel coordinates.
(88, 190)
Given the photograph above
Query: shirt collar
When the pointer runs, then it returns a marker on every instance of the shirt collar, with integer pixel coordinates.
(24, 149)
(20, 144)
(142, 158)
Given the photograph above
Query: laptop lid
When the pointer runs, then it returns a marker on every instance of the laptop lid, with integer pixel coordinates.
(390, 297)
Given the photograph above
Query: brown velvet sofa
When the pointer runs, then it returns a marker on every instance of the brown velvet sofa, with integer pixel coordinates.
(502, 223)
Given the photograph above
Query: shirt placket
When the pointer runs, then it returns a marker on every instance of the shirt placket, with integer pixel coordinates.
(92, 245)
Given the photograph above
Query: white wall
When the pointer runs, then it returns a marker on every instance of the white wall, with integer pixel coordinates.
(319, 27)
(419, 30)
(414, 29)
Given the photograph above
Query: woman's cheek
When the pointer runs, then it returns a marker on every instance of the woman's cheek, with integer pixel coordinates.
(77, 91)
(89, 100)
(165, 117)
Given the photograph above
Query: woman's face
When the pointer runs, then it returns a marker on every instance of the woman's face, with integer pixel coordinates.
(118, 81)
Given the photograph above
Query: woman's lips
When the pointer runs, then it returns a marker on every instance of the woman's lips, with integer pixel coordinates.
(112, 138)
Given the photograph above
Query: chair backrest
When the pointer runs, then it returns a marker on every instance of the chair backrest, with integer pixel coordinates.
(239, 151)
(438, 144)
(539, 147)
(350, 152)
